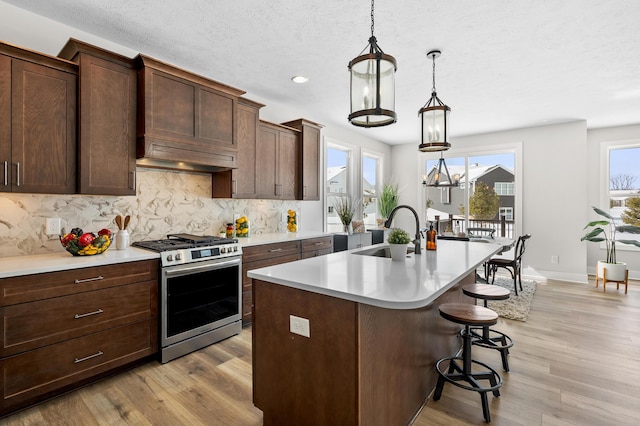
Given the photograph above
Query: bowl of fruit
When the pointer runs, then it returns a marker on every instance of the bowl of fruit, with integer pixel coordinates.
(80, 243)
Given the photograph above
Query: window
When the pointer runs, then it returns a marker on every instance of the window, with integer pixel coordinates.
(504, 188)
(623, 188)
(506, 212)
(338, 175)
(371, 188)
(494, 170)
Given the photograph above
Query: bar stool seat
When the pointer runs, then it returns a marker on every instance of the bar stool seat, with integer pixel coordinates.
(485, 336)
(460, 371)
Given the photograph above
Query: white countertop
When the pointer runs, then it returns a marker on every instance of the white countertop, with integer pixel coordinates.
(62, 260)
(409, 284)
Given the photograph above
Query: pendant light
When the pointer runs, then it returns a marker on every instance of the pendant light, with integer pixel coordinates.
(434, 118)
(372, 86)
(438, 179)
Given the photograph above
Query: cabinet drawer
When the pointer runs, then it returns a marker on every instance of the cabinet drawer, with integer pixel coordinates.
(246, 281)
(33, 374)
(315, 244)
(30, 288)
(315, 253)
(268, 251)
(31, 325)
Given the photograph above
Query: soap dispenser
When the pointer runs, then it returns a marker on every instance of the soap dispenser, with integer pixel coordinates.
(431, 238)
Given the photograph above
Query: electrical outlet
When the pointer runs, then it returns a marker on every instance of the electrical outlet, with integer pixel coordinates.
(299, 326)
(555, 259)
(53, 226)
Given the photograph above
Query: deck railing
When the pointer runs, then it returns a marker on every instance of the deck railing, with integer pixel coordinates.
(502, 227)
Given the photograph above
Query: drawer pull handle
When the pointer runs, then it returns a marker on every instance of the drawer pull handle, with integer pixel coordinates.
(99, 311)
(98, 278)
(78, 360)
(319, 243)
(275, 250)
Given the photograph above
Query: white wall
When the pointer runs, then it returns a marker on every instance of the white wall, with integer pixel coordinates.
(596, 138)
(554, 192)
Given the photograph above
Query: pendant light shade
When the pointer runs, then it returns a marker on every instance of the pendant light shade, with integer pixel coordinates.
(434, 118)
(372, 86)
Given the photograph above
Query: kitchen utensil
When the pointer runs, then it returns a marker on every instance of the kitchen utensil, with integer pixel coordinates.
(127, 219)
(119, 221)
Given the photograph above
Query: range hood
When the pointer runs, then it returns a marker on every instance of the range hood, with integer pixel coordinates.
(185, 121)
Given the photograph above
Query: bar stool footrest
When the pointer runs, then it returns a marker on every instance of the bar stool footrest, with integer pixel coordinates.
(472, 378)
(495, 340)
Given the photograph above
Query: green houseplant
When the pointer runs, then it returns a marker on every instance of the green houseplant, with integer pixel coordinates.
(345, 208)
(388, 202)
(616, 271)
(398, 239)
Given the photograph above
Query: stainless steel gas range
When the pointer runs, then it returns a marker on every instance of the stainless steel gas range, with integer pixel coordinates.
(200, 291)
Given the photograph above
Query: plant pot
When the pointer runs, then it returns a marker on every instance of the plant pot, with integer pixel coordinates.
(398, 251)
(348, 228)
(615, 271)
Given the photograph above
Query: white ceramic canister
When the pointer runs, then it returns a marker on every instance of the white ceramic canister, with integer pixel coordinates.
(122, 239)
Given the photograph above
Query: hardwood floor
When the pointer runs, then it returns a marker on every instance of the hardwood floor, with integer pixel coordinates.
(576, 361)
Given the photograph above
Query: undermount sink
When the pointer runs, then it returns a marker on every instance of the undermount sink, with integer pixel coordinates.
(380, 251)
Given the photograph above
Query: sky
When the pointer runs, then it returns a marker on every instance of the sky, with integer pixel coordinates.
(625, 161)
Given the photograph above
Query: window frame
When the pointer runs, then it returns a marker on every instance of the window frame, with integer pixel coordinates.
(605, 174)
(515, 147)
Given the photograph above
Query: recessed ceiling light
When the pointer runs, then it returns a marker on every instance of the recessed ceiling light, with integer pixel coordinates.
(300, 79)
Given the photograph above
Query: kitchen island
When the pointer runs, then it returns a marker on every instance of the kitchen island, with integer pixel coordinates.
(374, 333)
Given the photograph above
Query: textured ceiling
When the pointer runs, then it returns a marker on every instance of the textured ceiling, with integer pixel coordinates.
(505, 63)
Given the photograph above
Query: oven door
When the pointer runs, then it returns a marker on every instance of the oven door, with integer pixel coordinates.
(199, 297)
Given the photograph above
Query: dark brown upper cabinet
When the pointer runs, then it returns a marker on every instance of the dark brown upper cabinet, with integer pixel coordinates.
(241, 181)
(106, 119)
(277, 165)
(37, 122)
(308, 159)
(185, 121)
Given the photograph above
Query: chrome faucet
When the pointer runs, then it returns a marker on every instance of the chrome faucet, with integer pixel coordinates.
(416, 241)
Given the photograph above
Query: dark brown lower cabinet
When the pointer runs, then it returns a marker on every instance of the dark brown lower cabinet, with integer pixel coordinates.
(54, 339)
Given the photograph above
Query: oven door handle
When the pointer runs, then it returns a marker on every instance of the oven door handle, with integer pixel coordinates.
(196, 268)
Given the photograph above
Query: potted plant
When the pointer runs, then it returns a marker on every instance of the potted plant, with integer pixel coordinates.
(616, 271)
(398, 240)
(345, 208)
(388, 202)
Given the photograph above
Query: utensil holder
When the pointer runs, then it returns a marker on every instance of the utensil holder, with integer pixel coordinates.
(122, 239)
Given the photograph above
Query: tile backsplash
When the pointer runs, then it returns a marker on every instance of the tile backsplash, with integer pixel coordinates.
(166, 202)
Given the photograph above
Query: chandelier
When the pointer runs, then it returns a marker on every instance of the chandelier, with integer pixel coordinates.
(372, 85)
(434, 117)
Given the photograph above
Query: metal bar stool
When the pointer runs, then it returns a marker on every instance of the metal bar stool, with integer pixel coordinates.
(487, 337)
(460, 370)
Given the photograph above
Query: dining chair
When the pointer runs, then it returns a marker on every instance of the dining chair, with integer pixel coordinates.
(512, 265)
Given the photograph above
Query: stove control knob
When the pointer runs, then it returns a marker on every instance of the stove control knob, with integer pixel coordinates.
(235, 248)
(178, 256)
(223, 250)
(169, 258)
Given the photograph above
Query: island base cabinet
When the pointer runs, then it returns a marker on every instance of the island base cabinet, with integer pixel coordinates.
(361, 365)
(299, 380)
(33, 375)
